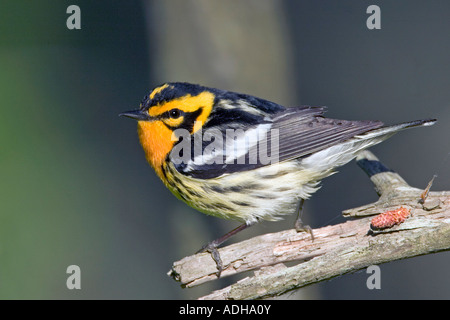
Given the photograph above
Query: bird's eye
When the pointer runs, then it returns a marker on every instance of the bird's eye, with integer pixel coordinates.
(174, 113)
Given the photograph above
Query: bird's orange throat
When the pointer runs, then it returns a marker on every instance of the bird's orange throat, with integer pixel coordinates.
(156, 139)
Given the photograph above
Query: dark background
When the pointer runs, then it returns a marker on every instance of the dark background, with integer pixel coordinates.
(75, 187)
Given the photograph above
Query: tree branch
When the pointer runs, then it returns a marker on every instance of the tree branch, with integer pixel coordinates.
(336, 250)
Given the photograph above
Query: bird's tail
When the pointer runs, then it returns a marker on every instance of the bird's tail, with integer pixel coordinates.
(327, 160)
(388, 131)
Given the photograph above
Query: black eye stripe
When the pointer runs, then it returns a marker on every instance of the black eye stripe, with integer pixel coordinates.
(190, 118)
(188, 121)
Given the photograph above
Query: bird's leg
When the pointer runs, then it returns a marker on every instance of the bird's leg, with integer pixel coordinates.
(212, 246)
(299, 226)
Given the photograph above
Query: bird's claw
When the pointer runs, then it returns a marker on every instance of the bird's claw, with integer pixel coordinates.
(300, 227)
(212, 248)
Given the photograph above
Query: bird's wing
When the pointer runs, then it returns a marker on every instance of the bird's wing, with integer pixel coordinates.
(300, 132)
(290, 134)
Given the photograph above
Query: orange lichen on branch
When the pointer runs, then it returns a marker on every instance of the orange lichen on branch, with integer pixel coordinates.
(389, 219)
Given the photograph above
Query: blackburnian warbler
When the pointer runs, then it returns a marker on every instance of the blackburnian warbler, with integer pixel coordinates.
(239, 157)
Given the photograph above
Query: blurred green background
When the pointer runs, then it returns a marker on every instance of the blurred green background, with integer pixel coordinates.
(75, 187)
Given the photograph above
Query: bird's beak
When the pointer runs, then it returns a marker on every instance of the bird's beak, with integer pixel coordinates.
(136, 115)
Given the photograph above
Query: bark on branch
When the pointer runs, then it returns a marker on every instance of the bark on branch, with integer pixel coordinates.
(336, 250)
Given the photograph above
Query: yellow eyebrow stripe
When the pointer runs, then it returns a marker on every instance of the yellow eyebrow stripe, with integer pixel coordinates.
(187, 103)
(157, 90)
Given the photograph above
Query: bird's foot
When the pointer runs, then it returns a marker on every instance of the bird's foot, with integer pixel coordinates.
(300, 227)
(212, 248)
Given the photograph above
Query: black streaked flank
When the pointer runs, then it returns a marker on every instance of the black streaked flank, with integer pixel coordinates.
(214, 188)
(242, 203)
(282, 189)
(221, 206)
(265, 196)
(236, 189)
(275, 175)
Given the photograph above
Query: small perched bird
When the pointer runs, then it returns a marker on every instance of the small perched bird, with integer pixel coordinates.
(240, 157)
